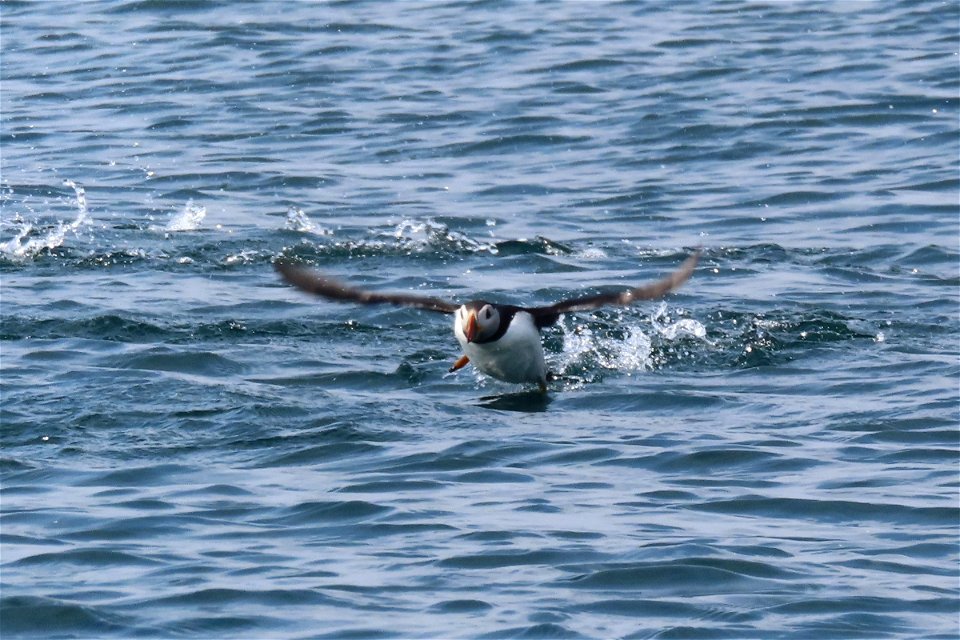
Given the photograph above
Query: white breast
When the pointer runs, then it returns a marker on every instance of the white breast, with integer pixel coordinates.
(516, 357)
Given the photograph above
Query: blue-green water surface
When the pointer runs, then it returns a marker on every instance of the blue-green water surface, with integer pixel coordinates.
(191, 449)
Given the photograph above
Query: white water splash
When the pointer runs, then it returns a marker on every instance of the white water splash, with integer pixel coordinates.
(625, 347)
(428, 235)
(248, 256)
(670, 330)
(297, 220)
(592, 253)
(27, 243)
(83, 215)
(187, 219)
(583, 347)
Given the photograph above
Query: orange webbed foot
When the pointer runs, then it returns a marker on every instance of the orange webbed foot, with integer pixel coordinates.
(460, 364)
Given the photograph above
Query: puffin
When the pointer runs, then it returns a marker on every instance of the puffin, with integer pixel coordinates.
(501, 340)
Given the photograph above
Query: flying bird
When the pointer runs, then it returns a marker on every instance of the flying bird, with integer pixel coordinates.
(501, 340)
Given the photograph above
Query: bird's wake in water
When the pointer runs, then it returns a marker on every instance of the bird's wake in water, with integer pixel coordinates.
(623, 342)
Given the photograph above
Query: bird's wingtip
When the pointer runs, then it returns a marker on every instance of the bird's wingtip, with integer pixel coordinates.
(692, 260)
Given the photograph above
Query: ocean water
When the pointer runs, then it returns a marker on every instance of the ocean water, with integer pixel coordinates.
(190, 448)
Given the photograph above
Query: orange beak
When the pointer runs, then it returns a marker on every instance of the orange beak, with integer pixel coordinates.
(470, 328)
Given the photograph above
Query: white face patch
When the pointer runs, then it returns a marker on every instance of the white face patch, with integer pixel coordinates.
(488, 320)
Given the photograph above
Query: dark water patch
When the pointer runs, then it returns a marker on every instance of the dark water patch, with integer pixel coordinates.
(642, 401)
(10, 465)
(227, 596)
(576, 88)
(924, 455)
(44, 478)
(709, 461)
(545, 557)
(461, 606)
(924, 550)
(685, 579)
(642, 608)
(493, 476)
(317, 573)
(14, 539)
(357, 633)
(865, 604)
(162, 6)
(876, 427)
(821, 510)
(42, 616)
(86, 557)
(213, 625)
(855, 625)
(146, 504)
(727, 482)
(330, 438)
(576, 535)
(586, 64)
(576, 456)
(713, 460)
(360, 380)
(518, 189)
(340, 452)
(506, 144)
(134, 528)
(54, 355)
(894, 567)
(201, 363)
(409, 530)
(396, 486)
(497, 536)
(314, 512)
(455, 459)
(542, 631)
(695, 632)
(150, 475)
(692, 563)
(669, 495)
(688, 42)
(104, 327)
(951, 186)
(538, 505)
(213, 490)
(23, 490)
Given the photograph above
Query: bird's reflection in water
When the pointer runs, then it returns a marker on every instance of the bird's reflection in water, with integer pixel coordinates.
(533, 401)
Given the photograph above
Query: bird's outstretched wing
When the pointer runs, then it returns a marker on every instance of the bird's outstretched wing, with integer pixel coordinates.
(320, 285)
(546, 316)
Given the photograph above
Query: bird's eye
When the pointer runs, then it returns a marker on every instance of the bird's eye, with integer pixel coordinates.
(488, 313)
